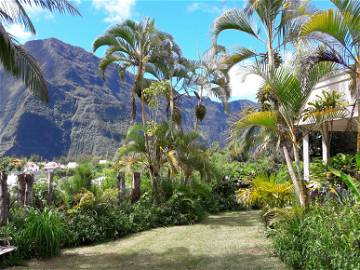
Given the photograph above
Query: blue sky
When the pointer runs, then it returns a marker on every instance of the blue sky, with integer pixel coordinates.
(188, 21)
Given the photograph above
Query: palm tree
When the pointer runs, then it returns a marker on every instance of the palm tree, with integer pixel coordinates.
(323, 111)
(13, 56)
(210, 75)
(168, 64)
(338, 32)
(292, 92)
(275, 23)
(130, 45)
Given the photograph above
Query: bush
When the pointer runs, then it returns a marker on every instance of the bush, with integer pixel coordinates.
(326, 237)
(93, 225)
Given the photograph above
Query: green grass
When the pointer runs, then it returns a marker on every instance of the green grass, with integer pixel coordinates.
(233, 240)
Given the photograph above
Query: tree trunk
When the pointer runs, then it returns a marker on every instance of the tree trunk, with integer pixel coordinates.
(171, 102)
(155, 185)
(50, 187)
(4, 198)
(133, 105)
(136, 191)
(270, 47)
(358, 107)
(121, 185)
(21, 189)
(298, 186)
(29, 178)
(297, 161)
(199, 102)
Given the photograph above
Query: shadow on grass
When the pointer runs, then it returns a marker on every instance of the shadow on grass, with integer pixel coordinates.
(235, 219)
(172, 259)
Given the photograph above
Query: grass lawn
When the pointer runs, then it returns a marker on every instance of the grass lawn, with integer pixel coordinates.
(232, 240)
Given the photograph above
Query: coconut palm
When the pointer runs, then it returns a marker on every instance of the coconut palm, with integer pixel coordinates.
(13, 56)
(292, 92)
(338, 31)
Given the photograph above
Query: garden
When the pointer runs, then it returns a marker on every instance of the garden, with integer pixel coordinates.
(166, 176)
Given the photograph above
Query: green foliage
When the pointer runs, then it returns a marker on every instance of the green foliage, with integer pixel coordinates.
(155, 92)
(349, 181)
(266, 192)
(326, 237)
(41, 235)
(81, 179)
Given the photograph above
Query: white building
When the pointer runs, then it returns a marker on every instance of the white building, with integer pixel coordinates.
(340, 83)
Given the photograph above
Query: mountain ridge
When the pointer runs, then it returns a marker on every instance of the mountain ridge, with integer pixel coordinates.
(85, 115)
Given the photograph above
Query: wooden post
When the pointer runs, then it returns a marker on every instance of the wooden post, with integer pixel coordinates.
(136, 192)
(121, 185)
(29, 178)
(21, 188)
(4, 198)
(306, 157)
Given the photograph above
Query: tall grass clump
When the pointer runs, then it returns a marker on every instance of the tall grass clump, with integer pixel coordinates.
(42, 234)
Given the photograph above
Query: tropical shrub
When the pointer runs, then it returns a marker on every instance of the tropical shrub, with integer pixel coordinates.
(325, 237)
(266, 192)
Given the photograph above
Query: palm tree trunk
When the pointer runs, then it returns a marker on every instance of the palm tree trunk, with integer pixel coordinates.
(29, 178)
(4, 198)
(153, 175)
(358, 107)
(199, 102)
(297, 161)
(21, 189)
(136, 192)
(133, 105)
(270, 47)
(121, 185)
(299, 188)
(171, 102)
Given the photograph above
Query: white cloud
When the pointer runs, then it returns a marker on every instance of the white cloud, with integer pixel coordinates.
(116, 10)
(193, 7)
(19, 32)
(205, 7)
(36, 13)
(243, 86)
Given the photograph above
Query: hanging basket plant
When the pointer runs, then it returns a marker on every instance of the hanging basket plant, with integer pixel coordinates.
(200, 112)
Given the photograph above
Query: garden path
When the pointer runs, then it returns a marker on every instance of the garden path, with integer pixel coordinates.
(231, 240)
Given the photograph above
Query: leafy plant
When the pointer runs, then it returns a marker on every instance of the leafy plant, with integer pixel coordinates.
(327, 236)
(42, 234)
(266, 192)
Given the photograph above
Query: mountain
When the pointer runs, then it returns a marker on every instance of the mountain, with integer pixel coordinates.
(85, 114)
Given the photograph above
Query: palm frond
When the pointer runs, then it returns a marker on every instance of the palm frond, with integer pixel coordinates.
(266, 119)
(234, 19)
(236, 57)
(22, 65)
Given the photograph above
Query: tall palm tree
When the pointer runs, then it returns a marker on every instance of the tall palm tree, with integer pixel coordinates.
(13, 56)
(292, 92)
(338, 31)
(169, 64)
(130, 45)
(210, 75)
